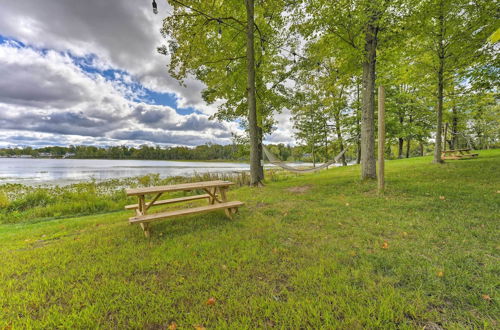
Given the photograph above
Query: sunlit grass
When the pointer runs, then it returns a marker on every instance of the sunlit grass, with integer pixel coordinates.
(312, 251)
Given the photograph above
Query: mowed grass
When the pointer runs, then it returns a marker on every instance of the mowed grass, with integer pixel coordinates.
(315, 251)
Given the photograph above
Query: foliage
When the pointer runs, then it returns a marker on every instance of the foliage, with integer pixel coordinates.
(315, 251)
(212, 49)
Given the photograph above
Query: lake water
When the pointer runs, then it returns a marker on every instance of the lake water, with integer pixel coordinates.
(64, 171)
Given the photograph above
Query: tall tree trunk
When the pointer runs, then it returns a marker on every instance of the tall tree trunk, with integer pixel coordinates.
(368, 170)
(255, 164)
(400, 147)
(400, 139)
(326, 141)
(454, 128)
(421, 146)
(358, 127)
(408, 138)
(313, 156)
(440, 76)
(439, 114)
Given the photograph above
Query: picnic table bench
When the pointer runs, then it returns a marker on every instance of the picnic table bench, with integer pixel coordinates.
(215, 193)
(458, 154)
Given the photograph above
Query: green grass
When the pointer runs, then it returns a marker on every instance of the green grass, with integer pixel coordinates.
(311, 259)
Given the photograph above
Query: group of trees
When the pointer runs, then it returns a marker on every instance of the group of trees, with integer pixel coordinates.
(236, 151)
(321, 60)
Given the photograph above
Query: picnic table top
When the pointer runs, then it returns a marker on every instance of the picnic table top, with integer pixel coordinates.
(177, 187)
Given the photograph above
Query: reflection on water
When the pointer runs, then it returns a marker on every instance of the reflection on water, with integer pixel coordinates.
(65, 171)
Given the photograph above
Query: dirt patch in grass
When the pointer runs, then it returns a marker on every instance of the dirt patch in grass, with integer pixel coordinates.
(300, 189)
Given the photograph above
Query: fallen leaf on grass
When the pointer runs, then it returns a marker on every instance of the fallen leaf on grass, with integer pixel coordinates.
(211, 301)
(440, 274)
(385, 245)
(347, 204)
(199, 327)
(442, 198)
(486, 297)
(405, 234)
(172, 326)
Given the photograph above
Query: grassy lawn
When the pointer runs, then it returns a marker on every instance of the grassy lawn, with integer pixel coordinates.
(315, 251)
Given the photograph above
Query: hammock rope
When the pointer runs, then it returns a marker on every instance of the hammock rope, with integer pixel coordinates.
(276, 161)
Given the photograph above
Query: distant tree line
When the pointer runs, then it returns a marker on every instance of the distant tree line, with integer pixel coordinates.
(209, 151)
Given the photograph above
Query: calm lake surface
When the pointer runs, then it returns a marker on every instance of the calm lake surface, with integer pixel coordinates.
(65, 171)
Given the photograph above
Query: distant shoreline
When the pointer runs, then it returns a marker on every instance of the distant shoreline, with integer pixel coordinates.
(149, 160)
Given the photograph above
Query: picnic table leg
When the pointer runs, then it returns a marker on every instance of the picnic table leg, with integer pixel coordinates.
(142, 211)
(145, 228)
(142, 205)
(213, 198)
(222, 191)
(213, 195)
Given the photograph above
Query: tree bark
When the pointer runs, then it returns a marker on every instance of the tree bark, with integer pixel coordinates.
(358, 127)
(408, 138)
(439, 115)
(454, 128)
(400, 147)
(400, 139)
(368, 170)
(440, 76)
(255, 161)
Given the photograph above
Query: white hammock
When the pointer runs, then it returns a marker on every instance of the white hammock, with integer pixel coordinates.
(274, 160)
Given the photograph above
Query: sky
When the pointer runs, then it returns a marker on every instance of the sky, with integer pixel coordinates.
(88, 73)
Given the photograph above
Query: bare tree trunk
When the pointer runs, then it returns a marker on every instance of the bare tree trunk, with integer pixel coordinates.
(368, 170)
(326, 141)
(440, 76)
(400, 147)
(314, 156)
(439, 114)
(400, 139)
(421, 145)
(454, 128)
(358, 129)
(255, 165)
(408, 138)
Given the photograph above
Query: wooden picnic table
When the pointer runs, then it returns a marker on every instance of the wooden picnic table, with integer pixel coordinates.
(458, 154)
(215, 193)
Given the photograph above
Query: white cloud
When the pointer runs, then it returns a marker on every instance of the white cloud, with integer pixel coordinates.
(122, 34)
(46, 92)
